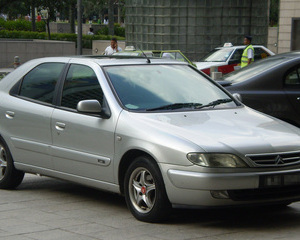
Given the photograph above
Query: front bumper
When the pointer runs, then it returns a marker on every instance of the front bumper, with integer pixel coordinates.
(198, 188)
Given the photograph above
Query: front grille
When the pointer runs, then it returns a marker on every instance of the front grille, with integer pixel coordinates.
(276, 159)
(265, 194)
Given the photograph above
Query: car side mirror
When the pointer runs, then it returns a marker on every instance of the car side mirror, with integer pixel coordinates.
(92, 106)
(238, 97)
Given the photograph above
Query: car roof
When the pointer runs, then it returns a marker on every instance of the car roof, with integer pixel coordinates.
(239, 47)
(103, 60)
(126, 60)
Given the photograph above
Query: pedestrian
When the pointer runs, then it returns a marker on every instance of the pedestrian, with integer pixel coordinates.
(248, 53)
(105, 21)
(91, 31)
(38, 18)
(113, 47)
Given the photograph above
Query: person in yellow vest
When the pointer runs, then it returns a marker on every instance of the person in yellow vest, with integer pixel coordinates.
(248, 54)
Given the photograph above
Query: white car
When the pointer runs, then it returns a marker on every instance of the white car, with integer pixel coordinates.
(227, 57)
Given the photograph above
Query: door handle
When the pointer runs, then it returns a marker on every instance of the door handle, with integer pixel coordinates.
(60, 126)
(9, 114)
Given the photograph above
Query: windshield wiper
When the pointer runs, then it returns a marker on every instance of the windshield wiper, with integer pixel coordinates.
(174, 106)
(215, 103)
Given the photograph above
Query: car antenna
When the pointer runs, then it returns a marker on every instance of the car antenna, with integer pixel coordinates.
(148, 59)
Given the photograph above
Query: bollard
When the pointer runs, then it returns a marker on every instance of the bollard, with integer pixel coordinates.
(16, 62)
(216, 75)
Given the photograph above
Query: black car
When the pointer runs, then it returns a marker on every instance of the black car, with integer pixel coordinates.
(271, 85)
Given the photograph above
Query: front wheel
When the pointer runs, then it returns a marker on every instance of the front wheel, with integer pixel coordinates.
(9, 176)
(145, 191)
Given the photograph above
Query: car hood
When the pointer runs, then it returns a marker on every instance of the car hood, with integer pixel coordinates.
(204, 65)
(241, 130)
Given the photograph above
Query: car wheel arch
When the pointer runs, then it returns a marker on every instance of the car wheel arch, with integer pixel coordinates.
(125, 162)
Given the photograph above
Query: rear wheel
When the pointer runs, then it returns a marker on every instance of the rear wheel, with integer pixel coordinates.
(9, 176)
(145, 191)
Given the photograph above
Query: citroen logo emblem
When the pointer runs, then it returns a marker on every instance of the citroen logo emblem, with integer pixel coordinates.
(279, 160)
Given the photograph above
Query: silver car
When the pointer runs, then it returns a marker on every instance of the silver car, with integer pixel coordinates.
(158, 131)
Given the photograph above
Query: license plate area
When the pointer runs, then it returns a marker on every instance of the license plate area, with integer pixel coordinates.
(279, 180)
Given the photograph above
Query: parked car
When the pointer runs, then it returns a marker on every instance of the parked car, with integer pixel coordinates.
(169, 54)
(158, 131)
(227, 57)
(271, 86)
(4, 72)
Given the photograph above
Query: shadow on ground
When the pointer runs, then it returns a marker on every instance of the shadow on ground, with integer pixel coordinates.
(260, 218)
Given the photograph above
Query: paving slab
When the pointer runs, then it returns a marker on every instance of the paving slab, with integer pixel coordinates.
(43, 208)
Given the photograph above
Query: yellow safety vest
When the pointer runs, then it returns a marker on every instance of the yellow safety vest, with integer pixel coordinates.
(244, 60)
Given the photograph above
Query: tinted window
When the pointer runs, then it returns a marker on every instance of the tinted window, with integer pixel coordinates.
(236, 57)
(39, 84)
(81, 84)
(293, 78)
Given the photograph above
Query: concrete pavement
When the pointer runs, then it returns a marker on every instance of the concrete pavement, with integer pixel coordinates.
(44, 209)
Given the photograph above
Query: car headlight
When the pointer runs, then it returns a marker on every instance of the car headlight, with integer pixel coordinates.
(215, 160)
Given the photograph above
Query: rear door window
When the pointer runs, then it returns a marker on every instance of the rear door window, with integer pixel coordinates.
(39, 84)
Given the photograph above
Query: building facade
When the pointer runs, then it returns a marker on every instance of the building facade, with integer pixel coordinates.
(289, 26)
(194, 26)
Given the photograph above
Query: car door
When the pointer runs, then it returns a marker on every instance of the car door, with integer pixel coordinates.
(292, 90)
(83, 145)
(27, 115)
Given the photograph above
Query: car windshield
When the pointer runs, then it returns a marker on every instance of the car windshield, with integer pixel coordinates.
(165, 87)
(253, 69)
(217, 55)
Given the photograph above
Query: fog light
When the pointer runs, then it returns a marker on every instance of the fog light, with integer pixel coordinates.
(220, 194)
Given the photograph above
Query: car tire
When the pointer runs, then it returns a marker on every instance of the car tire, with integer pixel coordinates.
(9, 176)
(145, 192)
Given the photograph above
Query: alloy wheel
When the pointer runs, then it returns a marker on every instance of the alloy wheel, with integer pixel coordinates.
(3, 162)
(142, 190)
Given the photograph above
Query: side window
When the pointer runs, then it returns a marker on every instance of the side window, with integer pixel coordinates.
(236, 57)
(180, 57)
(81, 84)
(259, 53)
(39, 84)
(292, 78)
(168, 55)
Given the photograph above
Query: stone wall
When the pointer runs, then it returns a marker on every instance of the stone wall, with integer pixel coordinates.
(273, 39)
(59, 27)
(195, 26)
(30, 49)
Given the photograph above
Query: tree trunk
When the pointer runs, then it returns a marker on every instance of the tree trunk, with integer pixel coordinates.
(33, 25)
(111, 30)
(72, 17)
(48, 27)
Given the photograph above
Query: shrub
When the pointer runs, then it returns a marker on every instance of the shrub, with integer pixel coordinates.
(119, 31)
(87, 40)
(22, 25)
